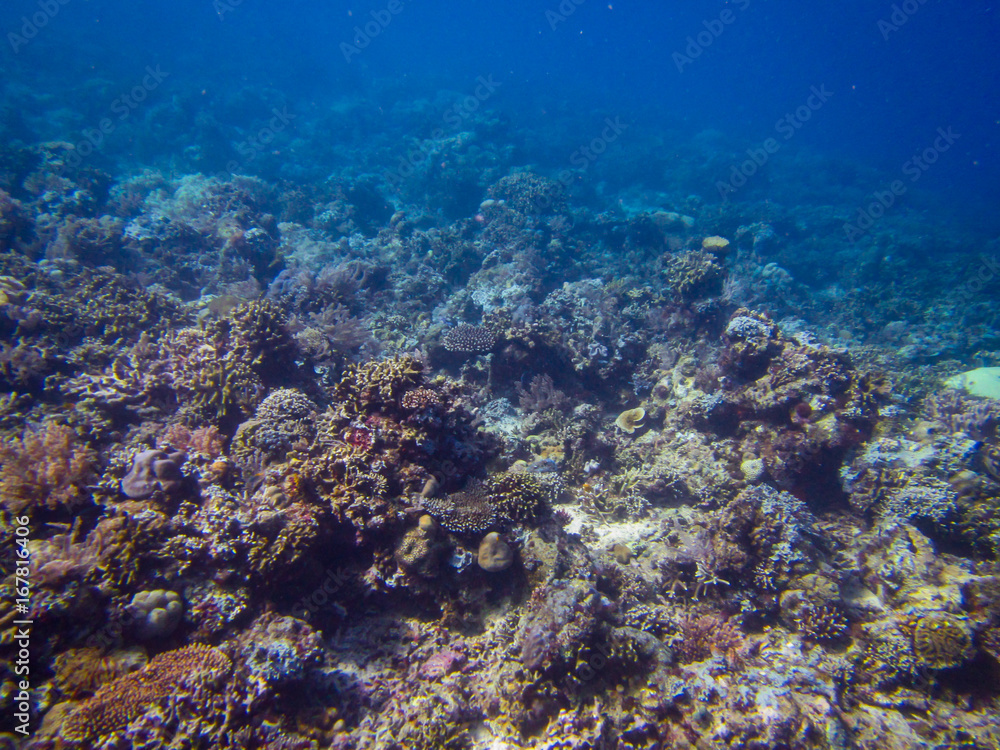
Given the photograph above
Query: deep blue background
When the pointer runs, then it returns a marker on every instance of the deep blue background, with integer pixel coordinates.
(940, 69)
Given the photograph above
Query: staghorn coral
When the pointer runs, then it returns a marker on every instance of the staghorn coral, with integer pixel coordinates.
(70, 302)
(125, 698)
(44, 466)
(258, 334)
(379, 383)
(209, 379)
(693, 273)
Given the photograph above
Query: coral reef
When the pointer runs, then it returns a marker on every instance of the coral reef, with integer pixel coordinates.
(118, 703)
(396, 442)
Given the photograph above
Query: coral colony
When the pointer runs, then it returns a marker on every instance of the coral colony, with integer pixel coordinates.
(484, 459)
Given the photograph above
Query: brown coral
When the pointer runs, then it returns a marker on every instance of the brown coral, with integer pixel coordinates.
(822, 622)
(693, 273)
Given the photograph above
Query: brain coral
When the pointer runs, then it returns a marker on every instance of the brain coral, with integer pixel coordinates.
(941, 640)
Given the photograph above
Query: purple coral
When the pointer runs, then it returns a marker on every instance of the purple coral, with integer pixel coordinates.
(152, 470)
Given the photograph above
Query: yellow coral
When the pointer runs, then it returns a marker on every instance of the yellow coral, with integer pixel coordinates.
(630, 420)
(715, 244)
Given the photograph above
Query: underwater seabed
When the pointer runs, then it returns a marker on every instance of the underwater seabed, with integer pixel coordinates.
(366, 463)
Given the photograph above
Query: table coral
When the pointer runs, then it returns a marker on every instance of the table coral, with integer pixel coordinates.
(469, 339)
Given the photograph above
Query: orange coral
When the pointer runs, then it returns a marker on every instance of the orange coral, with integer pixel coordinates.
(125, 698)
(44, 466)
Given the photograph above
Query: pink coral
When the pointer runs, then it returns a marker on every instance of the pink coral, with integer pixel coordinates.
(44, 466)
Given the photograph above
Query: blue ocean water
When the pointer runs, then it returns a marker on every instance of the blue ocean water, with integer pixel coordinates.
(897, 72)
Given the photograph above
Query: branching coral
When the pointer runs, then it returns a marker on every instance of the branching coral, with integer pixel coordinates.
(693, 273)
(529, 194)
